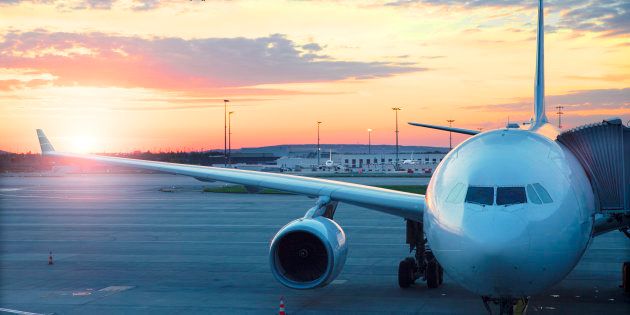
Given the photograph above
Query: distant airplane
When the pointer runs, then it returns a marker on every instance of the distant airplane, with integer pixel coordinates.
(409, 161)
(507, 214)
(330, 162)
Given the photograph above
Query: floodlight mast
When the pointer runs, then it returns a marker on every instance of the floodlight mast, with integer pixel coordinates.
(225, 153)
(369, 140)
(396, 110)
(318, 148)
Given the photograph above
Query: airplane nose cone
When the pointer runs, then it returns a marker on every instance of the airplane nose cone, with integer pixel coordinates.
(497, 232)
(498, 249)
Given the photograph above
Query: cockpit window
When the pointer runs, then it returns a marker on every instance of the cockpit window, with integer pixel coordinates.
(511, 195)
(533, 196)
(480, 195)
(457, 194)
(542, 192)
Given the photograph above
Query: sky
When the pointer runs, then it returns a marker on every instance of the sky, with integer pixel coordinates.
(124, 75)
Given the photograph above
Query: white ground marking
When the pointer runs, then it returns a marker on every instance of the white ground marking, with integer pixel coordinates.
(6, 310)
(116, 288)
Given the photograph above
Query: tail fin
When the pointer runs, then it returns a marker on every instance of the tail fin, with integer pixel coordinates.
(44, 143)
(539, 85)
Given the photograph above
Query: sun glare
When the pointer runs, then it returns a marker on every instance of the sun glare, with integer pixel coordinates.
(83, 144)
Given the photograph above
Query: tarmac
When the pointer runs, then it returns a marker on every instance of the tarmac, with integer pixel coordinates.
(121, 244)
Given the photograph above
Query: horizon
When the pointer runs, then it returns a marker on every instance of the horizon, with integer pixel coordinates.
(220, 150)
(140, 84)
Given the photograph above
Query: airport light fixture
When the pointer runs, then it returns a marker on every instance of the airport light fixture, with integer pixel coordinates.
(450, 134)
(225, 131)
(396, 110)
(318, 148)
(369, 140)
(560, 113)
(230, 137)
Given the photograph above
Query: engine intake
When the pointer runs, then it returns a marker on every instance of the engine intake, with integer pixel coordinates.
(308, 253)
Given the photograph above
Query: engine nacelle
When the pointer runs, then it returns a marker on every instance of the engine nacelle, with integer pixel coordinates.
(308, 253)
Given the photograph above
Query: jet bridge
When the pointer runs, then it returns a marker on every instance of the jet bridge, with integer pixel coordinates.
(603, 149)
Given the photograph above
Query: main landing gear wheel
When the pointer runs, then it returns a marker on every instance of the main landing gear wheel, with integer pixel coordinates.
(423, 263)
(407, 272)
(433, 274)
(625, 277)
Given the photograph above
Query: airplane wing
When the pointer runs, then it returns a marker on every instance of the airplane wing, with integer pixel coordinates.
(406, 205)
(445, 128)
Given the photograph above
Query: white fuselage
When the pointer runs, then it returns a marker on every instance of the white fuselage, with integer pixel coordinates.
(519, 249)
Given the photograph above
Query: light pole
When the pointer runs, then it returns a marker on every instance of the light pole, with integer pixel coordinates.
(396, 109)
(230, 137)
(559, 108)
(225, 130)
(450, 134)
(369, 141)
(318, 149)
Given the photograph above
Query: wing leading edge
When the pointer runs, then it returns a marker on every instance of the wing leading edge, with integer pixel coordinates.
(446, 128)
(406, 205)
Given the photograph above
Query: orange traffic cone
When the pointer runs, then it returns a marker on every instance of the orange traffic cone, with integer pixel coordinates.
(50, 261)
(282, 312)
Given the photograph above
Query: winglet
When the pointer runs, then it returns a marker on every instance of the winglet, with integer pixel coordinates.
(44, 143)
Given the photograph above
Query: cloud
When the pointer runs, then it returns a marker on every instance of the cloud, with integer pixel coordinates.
(312, 47)
(611, 17)
(95, 4)
(90, 4)
(574, 100)
(98, 59)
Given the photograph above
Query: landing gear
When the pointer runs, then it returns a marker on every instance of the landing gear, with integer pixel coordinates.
(423, 264)
(407, 272)
(433, 274)
(625, 277)
(507, 305)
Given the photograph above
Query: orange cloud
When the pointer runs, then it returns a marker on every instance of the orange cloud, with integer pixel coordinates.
(97, 59)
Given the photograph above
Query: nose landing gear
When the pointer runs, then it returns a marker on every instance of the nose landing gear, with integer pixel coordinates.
(507, 305)
(423, 264)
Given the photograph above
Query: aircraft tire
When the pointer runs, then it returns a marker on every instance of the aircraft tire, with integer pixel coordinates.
(405, 273)
(433, 274)
(625, 277)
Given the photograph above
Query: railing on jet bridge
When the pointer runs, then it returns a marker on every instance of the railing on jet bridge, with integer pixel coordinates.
(604, 151)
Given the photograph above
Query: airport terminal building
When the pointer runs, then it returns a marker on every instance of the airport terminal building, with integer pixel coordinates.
(364, 163)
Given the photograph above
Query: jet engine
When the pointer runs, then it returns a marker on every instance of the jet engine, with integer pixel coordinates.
(308, 253)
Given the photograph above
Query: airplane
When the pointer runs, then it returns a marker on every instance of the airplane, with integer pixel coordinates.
(507, 214)
(409, 161)
(329, 162)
